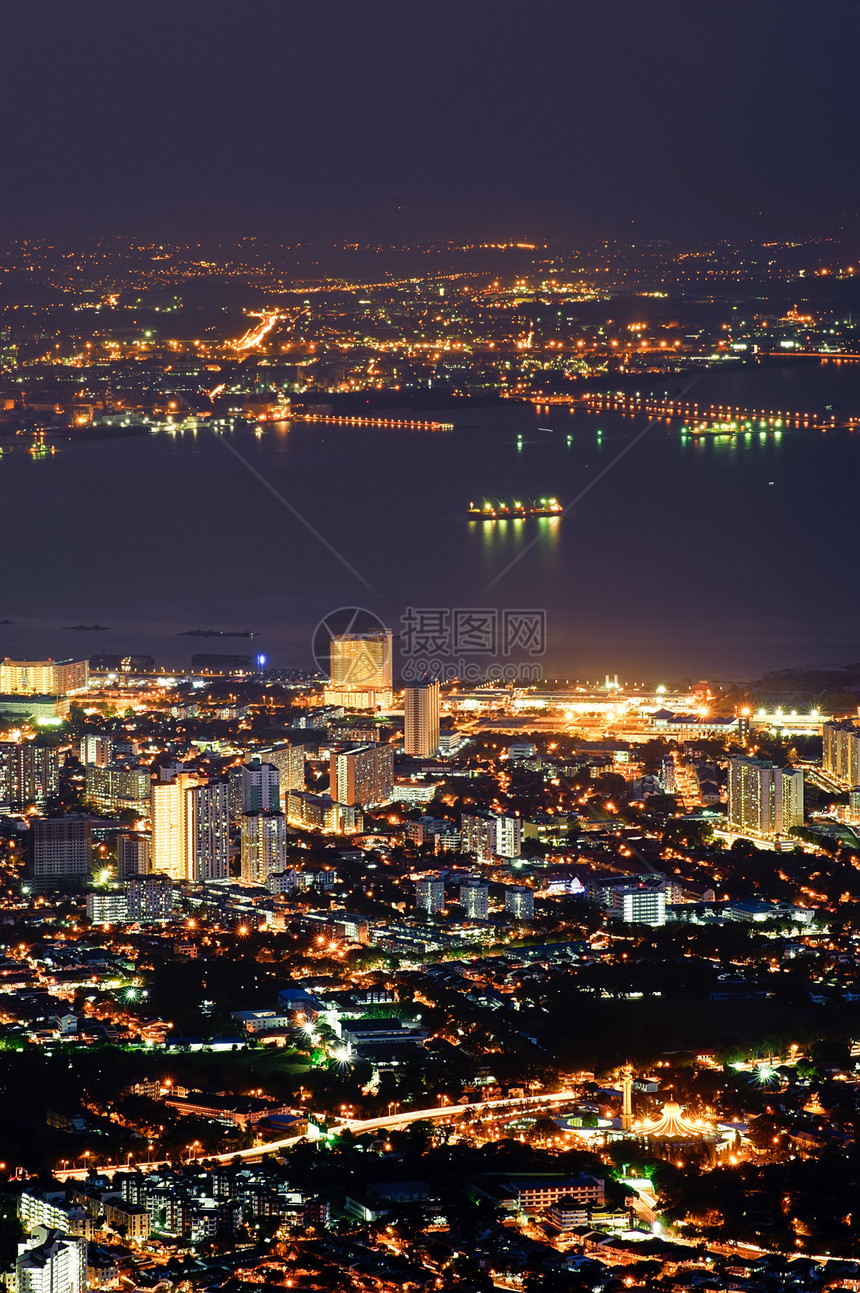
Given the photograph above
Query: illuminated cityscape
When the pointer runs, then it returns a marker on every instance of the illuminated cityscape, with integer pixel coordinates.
(429, 684)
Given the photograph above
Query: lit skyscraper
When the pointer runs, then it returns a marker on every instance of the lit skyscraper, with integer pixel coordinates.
(208, 831)
(765, 801)
(29, 775)
(361, 670)
(421, 719)
(363, 775)
(170, 818)
(841, 753)
(260, 787)
(264, 846)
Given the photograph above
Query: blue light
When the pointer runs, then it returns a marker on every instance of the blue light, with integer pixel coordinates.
(261, 660)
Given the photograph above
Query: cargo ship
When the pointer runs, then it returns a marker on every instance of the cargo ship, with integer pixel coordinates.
(502, 510)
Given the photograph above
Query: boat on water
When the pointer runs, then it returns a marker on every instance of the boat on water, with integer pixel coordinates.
(514, 509)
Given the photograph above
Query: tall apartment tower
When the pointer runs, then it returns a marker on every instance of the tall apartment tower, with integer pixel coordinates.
(765, 801)
(361, 670)
(29, 775)
(478, 835)
(362, 776)
(61, 849)
(170, 824)
(475, 899)
(430, 893)
(520, 902)
(289, 759)
(132, 856)
(208, 831)
(841, 753)
(260, 787)
(491, 835)
(421, 719)
(509, 836)
(264, 846)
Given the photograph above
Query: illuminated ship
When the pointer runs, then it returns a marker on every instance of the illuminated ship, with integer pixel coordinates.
(501, 510)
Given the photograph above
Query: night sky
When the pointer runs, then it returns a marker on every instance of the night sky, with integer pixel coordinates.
(393, 118)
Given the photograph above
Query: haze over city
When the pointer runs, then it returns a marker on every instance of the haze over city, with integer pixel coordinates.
(429, 658)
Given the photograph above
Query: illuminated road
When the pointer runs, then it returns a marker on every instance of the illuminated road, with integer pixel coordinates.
(356, 1125)
(254, 336)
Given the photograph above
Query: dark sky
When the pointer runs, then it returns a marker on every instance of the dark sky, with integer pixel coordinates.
(451, 117)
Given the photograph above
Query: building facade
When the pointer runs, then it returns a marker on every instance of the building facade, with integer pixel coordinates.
(421, 719)
(765, 801)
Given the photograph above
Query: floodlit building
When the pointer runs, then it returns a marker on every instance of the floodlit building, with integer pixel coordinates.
(421, 719)
(171, 847)
(44, 677)
(491, 835)
(289, 760)
(840, 756)
(638, 904)
(363, 775)
(361, 670)
(765, 801)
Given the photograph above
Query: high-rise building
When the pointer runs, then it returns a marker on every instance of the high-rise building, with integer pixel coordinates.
(60, 849)
(170, 852)
(190, 827)
(149, 897)
(289, 759)
(29, 775)
(520, 902)
(840, 756)
(264, 846)
(361, 670)
(491, 835)
(363, 775)
(50, 1261)
(475, 899)
(421, 719)
(430, 893)
(44, 677)
(667, 774)
(95, 750)
(260, 784)
(208, 831)
(509, 836)
(478, 835)
(132, 853)
(765, 801)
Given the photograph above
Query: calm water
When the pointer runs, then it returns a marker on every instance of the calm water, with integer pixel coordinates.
(705, 558)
